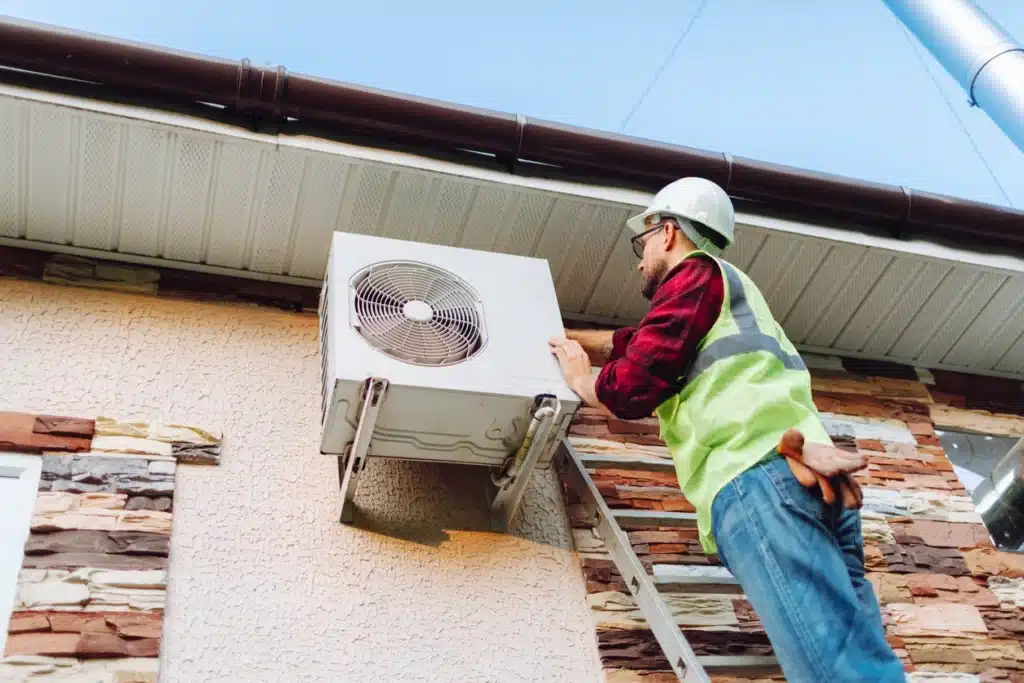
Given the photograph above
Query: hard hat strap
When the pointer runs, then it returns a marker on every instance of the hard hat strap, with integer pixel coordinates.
(701, 241)
(688, 228)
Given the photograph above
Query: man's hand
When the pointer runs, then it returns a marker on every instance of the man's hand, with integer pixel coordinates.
(825, 466)
(574, 361)
(576, 369)
(597, 343)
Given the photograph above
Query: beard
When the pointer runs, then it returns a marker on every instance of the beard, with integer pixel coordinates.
(652, 279)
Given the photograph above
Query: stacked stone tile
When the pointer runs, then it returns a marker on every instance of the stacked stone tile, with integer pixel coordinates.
(953, 605)
(91, 592)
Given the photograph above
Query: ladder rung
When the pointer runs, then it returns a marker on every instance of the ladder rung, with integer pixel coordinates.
(635, 463)
(639, 518)
(698, 584)
(740, 665)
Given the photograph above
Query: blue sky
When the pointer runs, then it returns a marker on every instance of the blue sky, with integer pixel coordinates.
(831, 86)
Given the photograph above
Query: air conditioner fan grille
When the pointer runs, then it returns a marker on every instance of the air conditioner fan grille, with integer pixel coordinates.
(418, 313)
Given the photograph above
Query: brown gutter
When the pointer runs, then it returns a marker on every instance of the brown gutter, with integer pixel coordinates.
(131, 70)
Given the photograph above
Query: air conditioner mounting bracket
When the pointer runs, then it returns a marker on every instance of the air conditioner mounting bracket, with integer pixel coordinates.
(353, 461)
(514, 476)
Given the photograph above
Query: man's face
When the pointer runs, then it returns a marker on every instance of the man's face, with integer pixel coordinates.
(654, 259)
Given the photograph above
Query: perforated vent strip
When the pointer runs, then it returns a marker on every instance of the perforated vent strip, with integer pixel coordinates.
(324, 346)
(418, 313)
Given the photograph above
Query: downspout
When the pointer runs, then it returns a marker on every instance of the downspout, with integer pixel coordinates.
(1000, 500)
(983, 58)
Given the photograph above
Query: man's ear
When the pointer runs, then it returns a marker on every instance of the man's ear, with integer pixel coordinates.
(671, 235)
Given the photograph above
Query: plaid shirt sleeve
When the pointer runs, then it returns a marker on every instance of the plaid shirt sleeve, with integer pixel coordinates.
(620, 339)
(647, 362)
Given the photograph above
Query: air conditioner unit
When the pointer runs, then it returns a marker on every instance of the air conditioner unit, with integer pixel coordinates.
(440, 354)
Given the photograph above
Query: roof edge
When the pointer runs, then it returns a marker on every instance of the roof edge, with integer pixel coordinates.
(271, 99)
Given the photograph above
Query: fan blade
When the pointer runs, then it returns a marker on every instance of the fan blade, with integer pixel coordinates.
(464, 320)
(446, 295)
(468, 335)
(446, 346)
(380, 327)
(392, 282)
(382, 297)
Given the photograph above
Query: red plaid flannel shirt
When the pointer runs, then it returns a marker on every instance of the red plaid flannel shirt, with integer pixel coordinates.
(648, 362)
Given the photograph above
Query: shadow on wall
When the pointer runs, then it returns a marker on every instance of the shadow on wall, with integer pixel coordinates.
(422, 502)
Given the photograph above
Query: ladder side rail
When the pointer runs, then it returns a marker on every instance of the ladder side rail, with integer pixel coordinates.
(659, 617)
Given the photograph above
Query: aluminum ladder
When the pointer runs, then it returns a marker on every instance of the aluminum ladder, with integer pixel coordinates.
(647, 590)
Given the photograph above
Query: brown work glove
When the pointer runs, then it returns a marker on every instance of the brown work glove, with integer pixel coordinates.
(824, 466)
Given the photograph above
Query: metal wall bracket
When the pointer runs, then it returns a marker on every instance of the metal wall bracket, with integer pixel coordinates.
(352, 462)
(538, 441)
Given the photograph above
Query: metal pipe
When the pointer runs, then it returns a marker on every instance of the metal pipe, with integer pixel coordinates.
(1000, 500)
(543, 414)
(156, 77)
(512, 486)
(983, 58)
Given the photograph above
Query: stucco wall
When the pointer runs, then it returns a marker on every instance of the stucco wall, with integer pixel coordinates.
(265, 584)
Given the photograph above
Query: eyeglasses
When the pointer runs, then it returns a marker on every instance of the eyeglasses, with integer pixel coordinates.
(638, 241)
(655, 222)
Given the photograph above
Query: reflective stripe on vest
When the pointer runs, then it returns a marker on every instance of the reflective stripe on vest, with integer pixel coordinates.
(750, 337)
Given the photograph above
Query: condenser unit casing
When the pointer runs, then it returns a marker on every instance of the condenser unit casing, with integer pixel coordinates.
(455, 342)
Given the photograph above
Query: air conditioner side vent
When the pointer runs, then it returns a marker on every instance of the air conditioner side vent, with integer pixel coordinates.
(326, 369)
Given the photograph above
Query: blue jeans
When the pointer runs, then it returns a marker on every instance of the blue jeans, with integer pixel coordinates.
(801, 564)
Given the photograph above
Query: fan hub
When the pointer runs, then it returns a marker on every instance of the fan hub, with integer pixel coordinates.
(418, 311)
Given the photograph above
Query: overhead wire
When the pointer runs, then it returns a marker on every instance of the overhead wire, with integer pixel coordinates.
(906, 34)
(963, 126)
(664, 65)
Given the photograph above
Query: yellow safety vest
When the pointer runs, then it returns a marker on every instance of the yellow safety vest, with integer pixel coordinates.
(746, 386)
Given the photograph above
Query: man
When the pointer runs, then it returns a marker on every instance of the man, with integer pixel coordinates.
(727, 386)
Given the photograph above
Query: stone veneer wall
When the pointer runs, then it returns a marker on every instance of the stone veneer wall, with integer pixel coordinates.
(91, 592)
(906, 521)
(953, 605)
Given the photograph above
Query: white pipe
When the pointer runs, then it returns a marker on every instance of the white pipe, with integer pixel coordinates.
(983, 58)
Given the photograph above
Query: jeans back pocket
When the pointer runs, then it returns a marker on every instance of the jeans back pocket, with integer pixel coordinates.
(794, 495)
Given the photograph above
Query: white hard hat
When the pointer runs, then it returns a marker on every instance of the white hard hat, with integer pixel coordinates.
(695, 199)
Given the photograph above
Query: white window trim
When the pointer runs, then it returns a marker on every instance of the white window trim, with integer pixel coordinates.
(19, 483)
